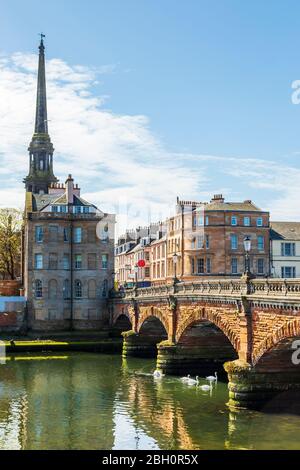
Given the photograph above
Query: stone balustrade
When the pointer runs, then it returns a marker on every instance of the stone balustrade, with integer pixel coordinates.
(256, 288)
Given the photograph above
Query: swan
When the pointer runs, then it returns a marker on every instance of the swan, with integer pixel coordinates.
(157, 374)
(205, 388)
(193, 381)
(212, 378)
(185, 379)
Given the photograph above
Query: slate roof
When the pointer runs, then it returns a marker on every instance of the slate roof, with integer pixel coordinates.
(40, 201)
(159, 240)
(246, 206)
(285, 230)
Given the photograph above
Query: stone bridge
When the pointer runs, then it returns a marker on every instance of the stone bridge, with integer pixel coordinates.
(249, 328)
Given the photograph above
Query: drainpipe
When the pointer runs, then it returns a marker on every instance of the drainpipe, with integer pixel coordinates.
(71, 272)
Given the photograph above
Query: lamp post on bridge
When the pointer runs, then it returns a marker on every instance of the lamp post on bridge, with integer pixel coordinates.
(247, 272)
(175, 260)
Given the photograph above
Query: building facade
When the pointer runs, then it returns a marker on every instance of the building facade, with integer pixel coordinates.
(285, 249)
(68, 243)
(203, 240)
(211, 238)
(132, 247)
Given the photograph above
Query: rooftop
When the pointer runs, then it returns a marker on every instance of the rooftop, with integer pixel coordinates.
(285, 230)
(218, 203)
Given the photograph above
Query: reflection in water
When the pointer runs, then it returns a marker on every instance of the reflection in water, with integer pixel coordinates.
(93, 401)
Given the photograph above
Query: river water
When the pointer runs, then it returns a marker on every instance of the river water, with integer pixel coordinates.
(96, 401)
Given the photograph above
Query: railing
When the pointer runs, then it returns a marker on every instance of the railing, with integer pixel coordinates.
(256, 288)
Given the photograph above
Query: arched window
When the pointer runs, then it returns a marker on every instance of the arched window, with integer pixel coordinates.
(66, 289)
(38, 289)
(78, 289)
(92, 289)
(104, 288)
(52, 289)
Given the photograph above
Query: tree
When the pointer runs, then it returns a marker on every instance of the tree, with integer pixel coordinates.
(10, 242)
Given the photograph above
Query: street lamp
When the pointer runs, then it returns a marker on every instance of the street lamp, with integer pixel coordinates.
(247, 246)
(136, 270)
(175, 260)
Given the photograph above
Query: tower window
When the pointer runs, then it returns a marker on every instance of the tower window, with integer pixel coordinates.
(41, 164)
(38, 261)
(78, 261)
(53, 264)
(78, 289)
(38, 289)
(77, 235)
(66, 289)
(104, 261)
(39, 234)
(66, 234)
(66, 261)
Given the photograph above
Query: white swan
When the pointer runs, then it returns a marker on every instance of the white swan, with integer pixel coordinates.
(185, 379)
(157, 374)
(206, 388)
(193, 381)
(212, 378)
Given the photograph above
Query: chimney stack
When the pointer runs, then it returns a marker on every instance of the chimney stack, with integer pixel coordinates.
(69, 189)
(218, 198)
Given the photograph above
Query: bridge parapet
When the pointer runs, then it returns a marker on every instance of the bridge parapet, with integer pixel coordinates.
(263, 289)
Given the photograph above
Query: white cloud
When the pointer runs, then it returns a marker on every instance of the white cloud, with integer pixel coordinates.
(118, 162)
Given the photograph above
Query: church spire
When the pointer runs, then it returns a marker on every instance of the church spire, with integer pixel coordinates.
(41, 123)
(41, 150)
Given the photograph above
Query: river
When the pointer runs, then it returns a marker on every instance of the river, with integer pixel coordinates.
(97, 401)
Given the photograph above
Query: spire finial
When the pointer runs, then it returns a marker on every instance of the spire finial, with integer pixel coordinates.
(41, 46)
(41, 121)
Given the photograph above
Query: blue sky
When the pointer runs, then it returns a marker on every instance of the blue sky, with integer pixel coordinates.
(205, 86)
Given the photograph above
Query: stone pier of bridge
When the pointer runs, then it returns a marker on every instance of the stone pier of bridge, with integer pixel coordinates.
(247, 330)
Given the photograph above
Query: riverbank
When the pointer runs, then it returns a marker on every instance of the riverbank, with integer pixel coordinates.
(63, 342)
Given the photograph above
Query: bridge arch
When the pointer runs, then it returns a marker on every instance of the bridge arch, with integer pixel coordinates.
(153, 326)
(221, 319)
(122, 310)
(285, 334)
(122, 321)
(145, 313)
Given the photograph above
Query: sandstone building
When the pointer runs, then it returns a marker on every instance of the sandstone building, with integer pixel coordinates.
(208, 240)
(68, 243)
